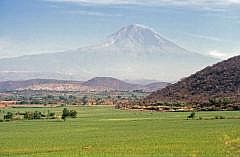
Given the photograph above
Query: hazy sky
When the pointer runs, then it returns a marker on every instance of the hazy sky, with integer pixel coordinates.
(40, 26)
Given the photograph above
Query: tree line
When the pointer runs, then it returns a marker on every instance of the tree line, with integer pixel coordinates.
(36, 115)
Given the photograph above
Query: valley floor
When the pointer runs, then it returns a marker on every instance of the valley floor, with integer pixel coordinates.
(107, 132)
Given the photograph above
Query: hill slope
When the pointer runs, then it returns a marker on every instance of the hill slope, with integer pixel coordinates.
(221, 80)
(110, 83)
(95, 84)
(40, 84)
(156, 86)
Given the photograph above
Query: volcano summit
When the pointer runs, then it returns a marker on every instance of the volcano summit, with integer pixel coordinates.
(133, 52)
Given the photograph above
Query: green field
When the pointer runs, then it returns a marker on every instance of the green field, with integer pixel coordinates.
(106, 132)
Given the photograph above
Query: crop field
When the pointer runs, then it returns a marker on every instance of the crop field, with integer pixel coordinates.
(107, 132)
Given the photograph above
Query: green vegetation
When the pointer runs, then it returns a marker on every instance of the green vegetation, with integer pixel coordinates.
(106, 132)
(60, 98)
(8, 116)
(192, 115)
(35, 115)
(68, 113)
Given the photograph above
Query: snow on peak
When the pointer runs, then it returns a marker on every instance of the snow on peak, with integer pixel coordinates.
(136, 34)
(140, 39)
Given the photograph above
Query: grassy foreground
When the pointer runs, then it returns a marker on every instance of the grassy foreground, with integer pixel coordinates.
(106, 132)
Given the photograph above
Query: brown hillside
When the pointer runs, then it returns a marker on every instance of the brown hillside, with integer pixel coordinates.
(111, 83)
(221, 80)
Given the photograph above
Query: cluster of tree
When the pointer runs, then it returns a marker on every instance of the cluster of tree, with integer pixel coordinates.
(5, 116)
(155, 106)
(34, 115)
(8, 116)
(219, 101)
(211, 104)
(217, 104)
(68, 113)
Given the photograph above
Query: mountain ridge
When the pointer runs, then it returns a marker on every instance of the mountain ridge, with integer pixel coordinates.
(94, 84)
(138, 53)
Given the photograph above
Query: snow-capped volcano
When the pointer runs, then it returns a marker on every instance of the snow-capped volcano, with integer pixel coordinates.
(133, 52)
(141, 37)
(137, 34)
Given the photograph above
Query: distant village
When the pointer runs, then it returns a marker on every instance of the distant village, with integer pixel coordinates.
(57, 99)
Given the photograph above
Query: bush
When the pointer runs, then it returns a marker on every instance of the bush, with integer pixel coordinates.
(192, 115)
(37, 115)
(219, 117)
(66, 113)
(73, 114)
(52, 114)
(222, 117)
(33, 115)
(8, 116)
(28, 115)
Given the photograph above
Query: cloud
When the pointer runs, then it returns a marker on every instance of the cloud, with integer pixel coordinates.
(81, 12)
(91, 13)
(157, 2)
(220, 55)
(205, 37)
